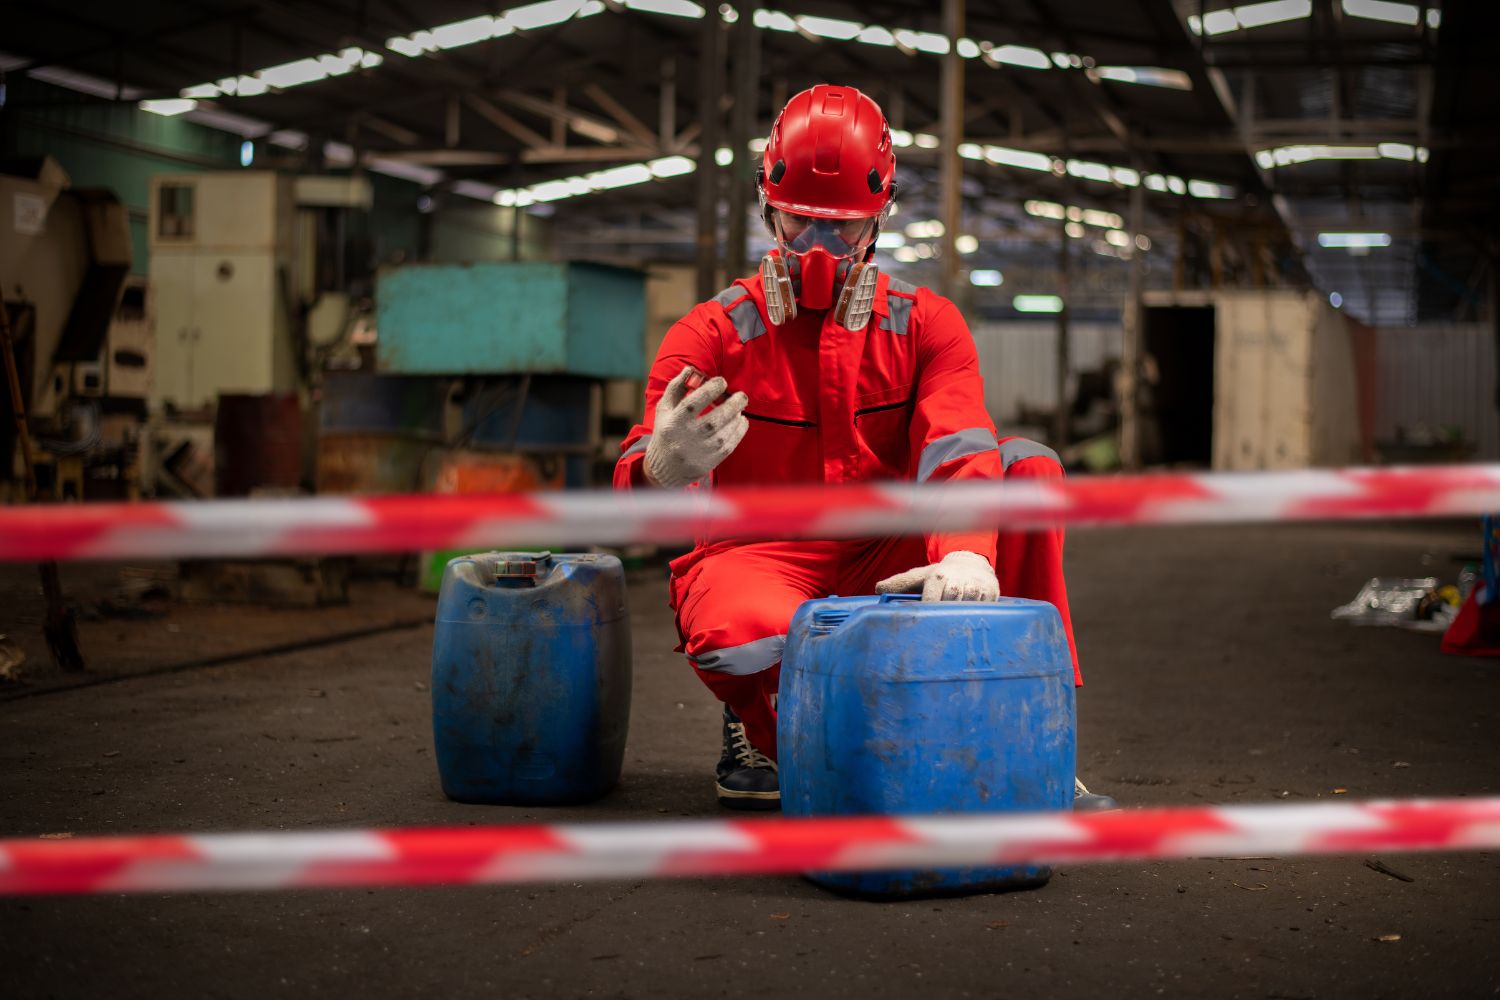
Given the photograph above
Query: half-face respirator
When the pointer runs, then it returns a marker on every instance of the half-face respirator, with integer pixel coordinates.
(820, 263)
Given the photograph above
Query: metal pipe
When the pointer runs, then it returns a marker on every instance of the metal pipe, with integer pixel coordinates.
(951, 111)
(1064, 348)
(745, 43)
(710, 94)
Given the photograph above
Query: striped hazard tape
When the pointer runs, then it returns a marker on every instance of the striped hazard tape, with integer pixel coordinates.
(499, 854)
(329, 525)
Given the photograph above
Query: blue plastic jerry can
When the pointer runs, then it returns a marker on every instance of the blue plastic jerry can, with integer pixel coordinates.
(531, 677)
(889, 706)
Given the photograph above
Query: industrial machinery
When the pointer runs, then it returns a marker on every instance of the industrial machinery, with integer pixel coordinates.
(63, 263)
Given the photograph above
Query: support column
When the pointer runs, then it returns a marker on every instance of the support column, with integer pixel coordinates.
(1134, 332)
(710, 102)
(1064, 348)
(744, 39)
(950, 182)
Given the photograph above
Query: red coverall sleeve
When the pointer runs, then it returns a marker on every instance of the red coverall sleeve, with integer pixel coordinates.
(952, 436)
(690, 341)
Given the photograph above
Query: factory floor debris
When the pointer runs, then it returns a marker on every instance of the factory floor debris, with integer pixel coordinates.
(1214, 675)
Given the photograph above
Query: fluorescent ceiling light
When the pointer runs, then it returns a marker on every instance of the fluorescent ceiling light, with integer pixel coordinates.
(922, 41)
(1147, 76)
(1104, 220)
(900, 138)
(1354, 240)
(293, 74)
(890, 241)
(673, 8)
(169, 107)
(1074, 230)
(1018, 158)
(929, 229)
(906, 255)
(1254, 15)
(1037, 303)
(672, 166)
(774, 20)
(1175, 185)
(829, 27)
(723, 156)
(1019, 55)
(1219, 21)
(1434, 18)
(968, 48)
(1088, 170)
(986, 278)
(1382, 10)
(966, 244)
(1045, 209)
(1397, 150)
(876, 35)
(1125, 176)
(925, 140)
(971, 151)
(549, 12)
(475, 29)
(1116, 238)
(1208, 189)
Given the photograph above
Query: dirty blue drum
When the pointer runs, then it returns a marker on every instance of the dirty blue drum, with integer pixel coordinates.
(531, 677)
(889, 706)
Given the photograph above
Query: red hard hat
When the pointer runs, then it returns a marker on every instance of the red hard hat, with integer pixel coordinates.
(829, 155)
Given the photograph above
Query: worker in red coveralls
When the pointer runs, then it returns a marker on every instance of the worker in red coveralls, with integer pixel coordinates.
(835, 373)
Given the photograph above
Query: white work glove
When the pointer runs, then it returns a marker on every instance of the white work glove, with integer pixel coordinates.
(685, 446)
(961, 576)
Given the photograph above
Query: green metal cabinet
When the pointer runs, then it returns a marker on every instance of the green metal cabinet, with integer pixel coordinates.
(511, 318)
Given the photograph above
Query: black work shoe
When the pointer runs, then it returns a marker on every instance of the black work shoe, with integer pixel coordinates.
(747, 777)
(1086, 801)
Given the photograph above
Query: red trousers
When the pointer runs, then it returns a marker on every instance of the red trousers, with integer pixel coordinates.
(735, 602)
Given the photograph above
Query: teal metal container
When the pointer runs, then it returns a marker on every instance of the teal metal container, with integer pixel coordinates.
(496, 317)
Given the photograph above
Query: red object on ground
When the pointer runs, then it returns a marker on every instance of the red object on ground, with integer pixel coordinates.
(1476, 630)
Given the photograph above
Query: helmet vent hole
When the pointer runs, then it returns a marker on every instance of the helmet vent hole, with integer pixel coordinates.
(874, 181)
(778, 171)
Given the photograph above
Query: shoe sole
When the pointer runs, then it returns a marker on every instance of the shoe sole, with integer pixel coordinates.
(748, 800)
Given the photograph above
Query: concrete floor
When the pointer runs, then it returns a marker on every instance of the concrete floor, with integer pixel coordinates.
(1214, 675)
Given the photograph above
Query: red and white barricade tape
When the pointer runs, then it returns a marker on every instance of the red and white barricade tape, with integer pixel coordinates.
(328, 525)
(501, 854)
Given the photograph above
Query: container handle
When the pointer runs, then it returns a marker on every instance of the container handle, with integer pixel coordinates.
(904, 598)
(524, 566)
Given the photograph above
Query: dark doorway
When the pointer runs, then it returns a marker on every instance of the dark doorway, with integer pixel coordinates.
(1177, 410)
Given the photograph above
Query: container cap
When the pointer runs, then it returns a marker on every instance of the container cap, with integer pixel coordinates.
(521, 565)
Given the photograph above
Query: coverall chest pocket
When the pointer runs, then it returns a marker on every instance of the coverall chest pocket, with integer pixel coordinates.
(776, 449)
(882, 424)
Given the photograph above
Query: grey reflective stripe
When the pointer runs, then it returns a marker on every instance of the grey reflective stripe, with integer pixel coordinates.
(751, 658)
(899, 320)
(1015, 449)
(969, 441)
(897, 285)
(641, 444)
(745, 317)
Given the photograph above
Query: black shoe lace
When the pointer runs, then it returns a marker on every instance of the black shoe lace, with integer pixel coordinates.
(745, 753)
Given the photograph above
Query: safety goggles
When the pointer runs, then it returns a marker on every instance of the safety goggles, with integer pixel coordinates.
(839, 237)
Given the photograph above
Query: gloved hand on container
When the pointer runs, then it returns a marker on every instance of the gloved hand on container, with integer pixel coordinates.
(961, 576)
(687, 444)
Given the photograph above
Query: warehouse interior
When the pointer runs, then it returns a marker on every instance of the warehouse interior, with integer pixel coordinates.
(260, 250)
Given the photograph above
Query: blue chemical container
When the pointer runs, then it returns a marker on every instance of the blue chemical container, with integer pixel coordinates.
(889, 706)
(531, 677)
